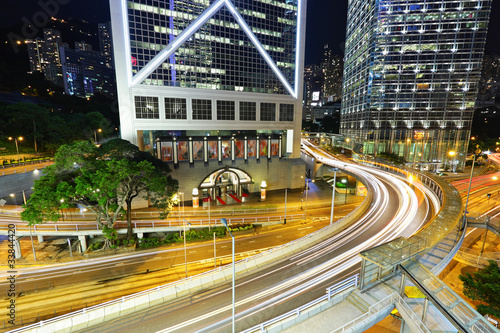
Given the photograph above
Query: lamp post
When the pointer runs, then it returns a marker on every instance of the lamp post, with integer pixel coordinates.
(305, 207)
(468, 192)
(451, 153)
(17, 146)
(13, 195)
(95, 134)
(333, 193)
(224, 222)
(185, 253)
(284, 220)
(344, 181)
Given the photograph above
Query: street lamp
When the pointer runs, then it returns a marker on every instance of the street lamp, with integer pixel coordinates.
(333, 193)
(185, 253)
(13, 195)
(344, 181)
(452, 155)
(468, 192)
(95, 134)
(17, 146)
(224, 222)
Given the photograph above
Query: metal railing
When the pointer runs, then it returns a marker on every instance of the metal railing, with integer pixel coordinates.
(343, 286)
(150, 224)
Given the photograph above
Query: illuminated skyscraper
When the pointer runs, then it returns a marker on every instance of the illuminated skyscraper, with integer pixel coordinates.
(51, 59)
(105, 42)
(410, 77)
(224, 72)
(35, 54)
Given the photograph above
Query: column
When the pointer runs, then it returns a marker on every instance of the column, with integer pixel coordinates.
(40, 238)
(83, 243)
(17, 248)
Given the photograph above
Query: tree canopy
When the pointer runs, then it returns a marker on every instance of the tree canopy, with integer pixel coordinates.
(105, 180)
(484, 286)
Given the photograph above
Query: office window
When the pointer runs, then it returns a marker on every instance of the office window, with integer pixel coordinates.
(175, 108)
(248, 111)
(146, 107)
(225, 110)
(286, 112)
(267, 111)
(202, 109)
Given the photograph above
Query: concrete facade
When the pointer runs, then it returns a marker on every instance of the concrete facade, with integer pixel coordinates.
(278, 173)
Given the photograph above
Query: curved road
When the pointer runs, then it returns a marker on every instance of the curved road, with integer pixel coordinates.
(398, 209)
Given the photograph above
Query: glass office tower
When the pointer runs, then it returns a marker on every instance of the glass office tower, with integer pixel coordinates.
(200, 65)
(410, 77)
(208, 83)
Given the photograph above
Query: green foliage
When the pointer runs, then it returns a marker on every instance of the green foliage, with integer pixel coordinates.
(240, 226)
(194, 235)
(267, 206)
(393, 158)
(51, 127)
(484, 286)
(86, 175)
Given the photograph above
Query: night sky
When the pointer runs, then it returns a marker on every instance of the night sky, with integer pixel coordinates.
(326, 20)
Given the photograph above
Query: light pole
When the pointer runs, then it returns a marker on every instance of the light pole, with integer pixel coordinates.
(333, 193)
(344, 181)
(307, 192)
(284, 220)
(13, 195)
(17, 146)
(468, 192)
(95, 134)
(224, 222)
(451, 153)
(185, 253)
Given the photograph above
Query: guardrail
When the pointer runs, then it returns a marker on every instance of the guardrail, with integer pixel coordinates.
(346, 285)
(59, 227)
(28, 167)
(68, 215)
(373, 311)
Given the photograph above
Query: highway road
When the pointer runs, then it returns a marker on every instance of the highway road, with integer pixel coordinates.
(397, 209)
(91, 281)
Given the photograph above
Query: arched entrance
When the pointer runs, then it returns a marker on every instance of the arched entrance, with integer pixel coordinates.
(225, 185)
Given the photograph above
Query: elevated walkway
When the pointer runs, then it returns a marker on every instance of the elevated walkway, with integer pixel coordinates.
(388, 269)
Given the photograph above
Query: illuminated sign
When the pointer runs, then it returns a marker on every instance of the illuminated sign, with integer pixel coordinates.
(315, 96)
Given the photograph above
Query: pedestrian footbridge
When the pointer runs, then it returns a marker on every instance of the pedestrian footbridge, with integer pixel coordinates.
(390, 272)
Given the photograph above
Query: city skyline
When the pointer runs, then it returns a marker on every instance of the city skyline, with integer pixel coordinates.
(317, 33)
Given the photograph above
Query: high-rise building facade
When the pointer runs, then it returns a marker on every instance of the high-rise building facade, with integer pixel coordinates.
(52, 69)
(410, 77)
(313, 85)
(106, 42)
(35, 54)
(211, 82)
(332, 66)
(85, 73)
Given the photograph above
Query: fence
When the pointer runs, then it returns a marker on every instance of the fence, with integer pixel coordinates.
(342, 287)
(61, 227)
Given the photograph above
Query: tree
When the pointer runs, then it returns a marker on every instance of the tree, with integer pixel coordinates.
(104, 180)
(484, 286)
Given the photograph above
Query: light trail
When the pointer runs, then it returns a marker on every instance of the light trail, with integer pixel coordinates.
(299, 284)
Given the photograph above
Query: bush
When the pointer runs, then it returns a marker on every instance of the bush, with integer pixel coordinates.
(240, 226)
(191, 235)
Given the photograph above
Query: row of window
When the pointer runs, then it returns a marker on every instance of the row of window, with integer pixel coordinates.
(147, 107)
